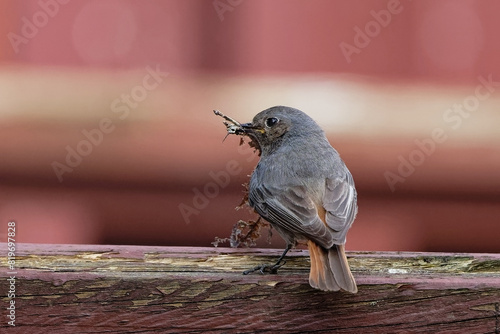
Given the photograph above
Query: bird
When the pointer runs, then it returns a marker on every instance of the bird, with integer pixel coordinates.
(303, 188)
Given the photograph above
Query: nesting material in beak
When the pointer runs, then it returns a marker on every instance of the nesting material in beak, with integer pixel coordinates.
(236, 128)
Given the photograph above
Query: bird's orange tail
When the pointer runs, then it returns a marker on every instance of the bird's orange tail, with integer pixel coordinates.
(329, 269)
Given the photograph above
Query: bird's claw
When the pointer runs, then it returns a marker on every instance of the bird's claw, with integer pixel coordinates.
(266, 268)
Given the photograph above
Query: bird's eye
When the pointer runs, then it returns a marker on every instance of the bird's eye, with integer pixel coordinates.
(272, 121)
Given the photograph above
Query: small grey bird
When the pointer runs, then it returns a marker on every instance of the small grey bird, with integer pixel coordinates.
(303, 188)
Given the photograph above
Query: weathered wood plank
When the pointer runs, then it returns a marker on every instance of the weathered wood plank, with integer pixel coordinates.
(130, 289)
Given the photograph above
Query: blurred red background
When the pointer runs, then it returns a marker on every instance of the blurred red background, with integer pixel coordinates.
(131, 86)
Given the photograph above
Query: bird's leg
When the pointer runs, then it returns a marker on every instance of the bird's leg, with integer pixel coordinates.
(271, 268)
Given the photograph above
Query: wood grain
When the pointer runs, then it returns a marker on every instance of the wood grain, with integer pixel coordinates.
(139, 289)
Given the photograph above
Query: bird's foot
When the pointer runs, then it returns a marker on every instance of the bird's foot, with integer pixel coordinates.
(266, 268)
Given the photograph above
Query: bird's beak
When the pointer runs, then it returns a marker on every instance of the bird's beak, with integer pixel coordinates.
(248, 128)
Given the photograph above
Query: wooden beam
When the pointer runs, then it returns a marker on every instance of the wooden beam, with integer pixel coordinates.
(97, 289)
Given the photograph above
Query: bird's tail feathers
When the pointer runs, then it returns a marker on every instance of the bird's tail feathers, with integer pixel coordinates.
(329, 269)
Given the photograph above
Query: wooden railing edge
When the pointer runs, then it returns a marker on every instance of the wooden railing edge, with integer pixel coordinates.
(182, 289)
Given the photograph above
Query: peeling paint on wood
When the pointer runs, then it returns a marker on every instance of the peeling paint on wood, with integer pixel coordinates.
(126, 289)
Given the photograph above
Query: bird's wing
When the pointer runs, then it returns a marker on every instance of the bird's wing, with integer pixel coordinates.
(340, 203)
(292, 210)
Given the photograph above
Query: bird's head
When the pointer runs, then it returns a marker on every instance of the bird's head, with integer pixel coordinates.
(271, 127)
